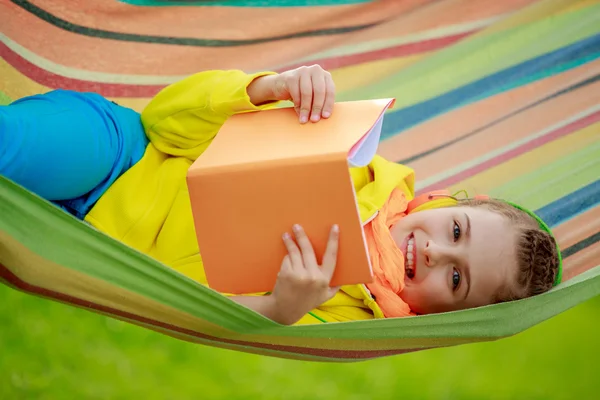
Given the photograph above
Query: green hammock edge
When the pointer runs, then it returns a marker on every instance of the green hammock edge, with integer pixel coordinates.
(111, 261)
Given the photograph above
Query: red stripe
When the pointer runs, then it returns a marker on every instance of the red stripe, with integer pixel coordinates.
(402, 50)
(53, 80)
(550, 136)
(357, 355)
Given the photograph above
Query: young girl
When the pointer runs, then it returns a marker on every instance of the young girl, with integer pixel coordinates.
(125, 175)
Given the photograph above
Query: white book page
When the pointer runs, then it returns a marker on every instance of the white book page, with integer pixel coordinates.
(364, 151)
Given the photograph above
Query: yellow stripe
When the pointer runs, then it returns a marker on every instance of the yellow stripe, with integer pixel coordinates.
(16, 85)
(352, 77)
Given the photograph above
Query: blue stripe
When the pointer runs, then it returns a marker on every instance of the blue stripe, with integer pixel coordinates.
(573, 56)
(555, 70)
(570, 206)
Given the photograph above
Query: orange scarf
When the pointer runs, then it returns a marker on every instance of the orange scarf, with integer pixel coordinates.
(387, 259)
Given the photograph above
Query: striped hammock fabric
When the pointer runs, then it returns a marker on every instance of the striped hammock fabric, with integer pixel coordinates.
(495, 97)
(46, 252)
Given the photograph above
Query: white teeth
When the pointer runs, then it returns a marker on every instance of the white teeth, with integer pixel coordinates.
(409, 249)
(410, 253)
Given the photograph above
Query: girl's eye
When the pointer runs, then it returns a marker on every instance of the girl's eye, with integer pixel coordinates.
(455, 279)
(456, 231)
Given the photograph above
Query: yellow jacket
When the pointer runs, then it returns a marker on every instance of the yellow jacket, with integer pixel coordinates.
(148, 207)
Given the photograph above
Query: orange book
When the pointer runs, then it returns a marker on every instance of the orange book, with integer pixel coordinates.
(264, 172)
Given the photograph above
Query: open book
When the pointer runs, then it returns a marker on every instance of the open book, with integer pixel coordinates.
(264, 172)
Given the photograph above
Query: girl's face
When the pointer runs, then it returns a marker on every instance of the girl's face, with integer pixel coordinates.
(455, 258)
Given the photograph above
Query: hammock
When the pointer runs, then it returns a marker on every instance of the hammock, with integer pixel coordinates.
(493, 97)
(46, 252)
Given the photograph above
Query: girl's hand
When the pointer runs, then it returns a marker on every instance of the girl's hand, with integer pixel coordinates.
(303, 284)
(311, 89)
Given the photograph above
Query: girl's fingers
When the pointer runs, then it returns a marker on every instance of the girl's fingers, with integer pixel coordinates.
(308, 253)
(286, 264)
(319, 88)
(306, 96)
(329, 97)
(293, 252)
(293, 87)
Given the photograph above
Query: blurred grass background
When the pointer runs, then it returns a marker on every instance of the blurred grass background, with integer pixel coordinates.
(54, 351)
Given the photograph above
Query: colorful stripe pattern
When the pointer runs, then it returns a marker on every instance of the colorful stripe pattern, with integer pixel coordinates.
(492, 97)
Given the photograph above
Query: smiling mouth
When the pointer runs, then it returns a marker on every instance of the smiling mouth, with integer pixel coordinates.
(411, 257)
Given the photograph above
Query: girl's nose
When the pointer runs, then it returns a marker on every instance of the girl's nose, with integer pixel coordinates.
(435, 255)
(427, 253)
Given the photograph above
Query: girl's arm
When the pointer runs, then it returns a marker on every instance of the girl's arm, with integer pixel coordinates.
(183, 118)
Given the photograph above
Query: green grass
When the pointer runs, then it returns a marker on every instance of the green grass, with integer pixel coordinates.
(52, 351)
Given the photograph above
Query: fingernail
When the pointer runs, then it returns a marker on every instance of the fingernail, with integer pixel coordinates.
(326, 114)
(336, 228)
(315, 118)
(303, 118)
(297, 228)
(286, 236)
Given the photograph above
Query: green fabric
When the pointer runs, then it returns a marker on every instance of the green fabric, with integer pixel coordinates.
(57, 237)
(4, 99)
